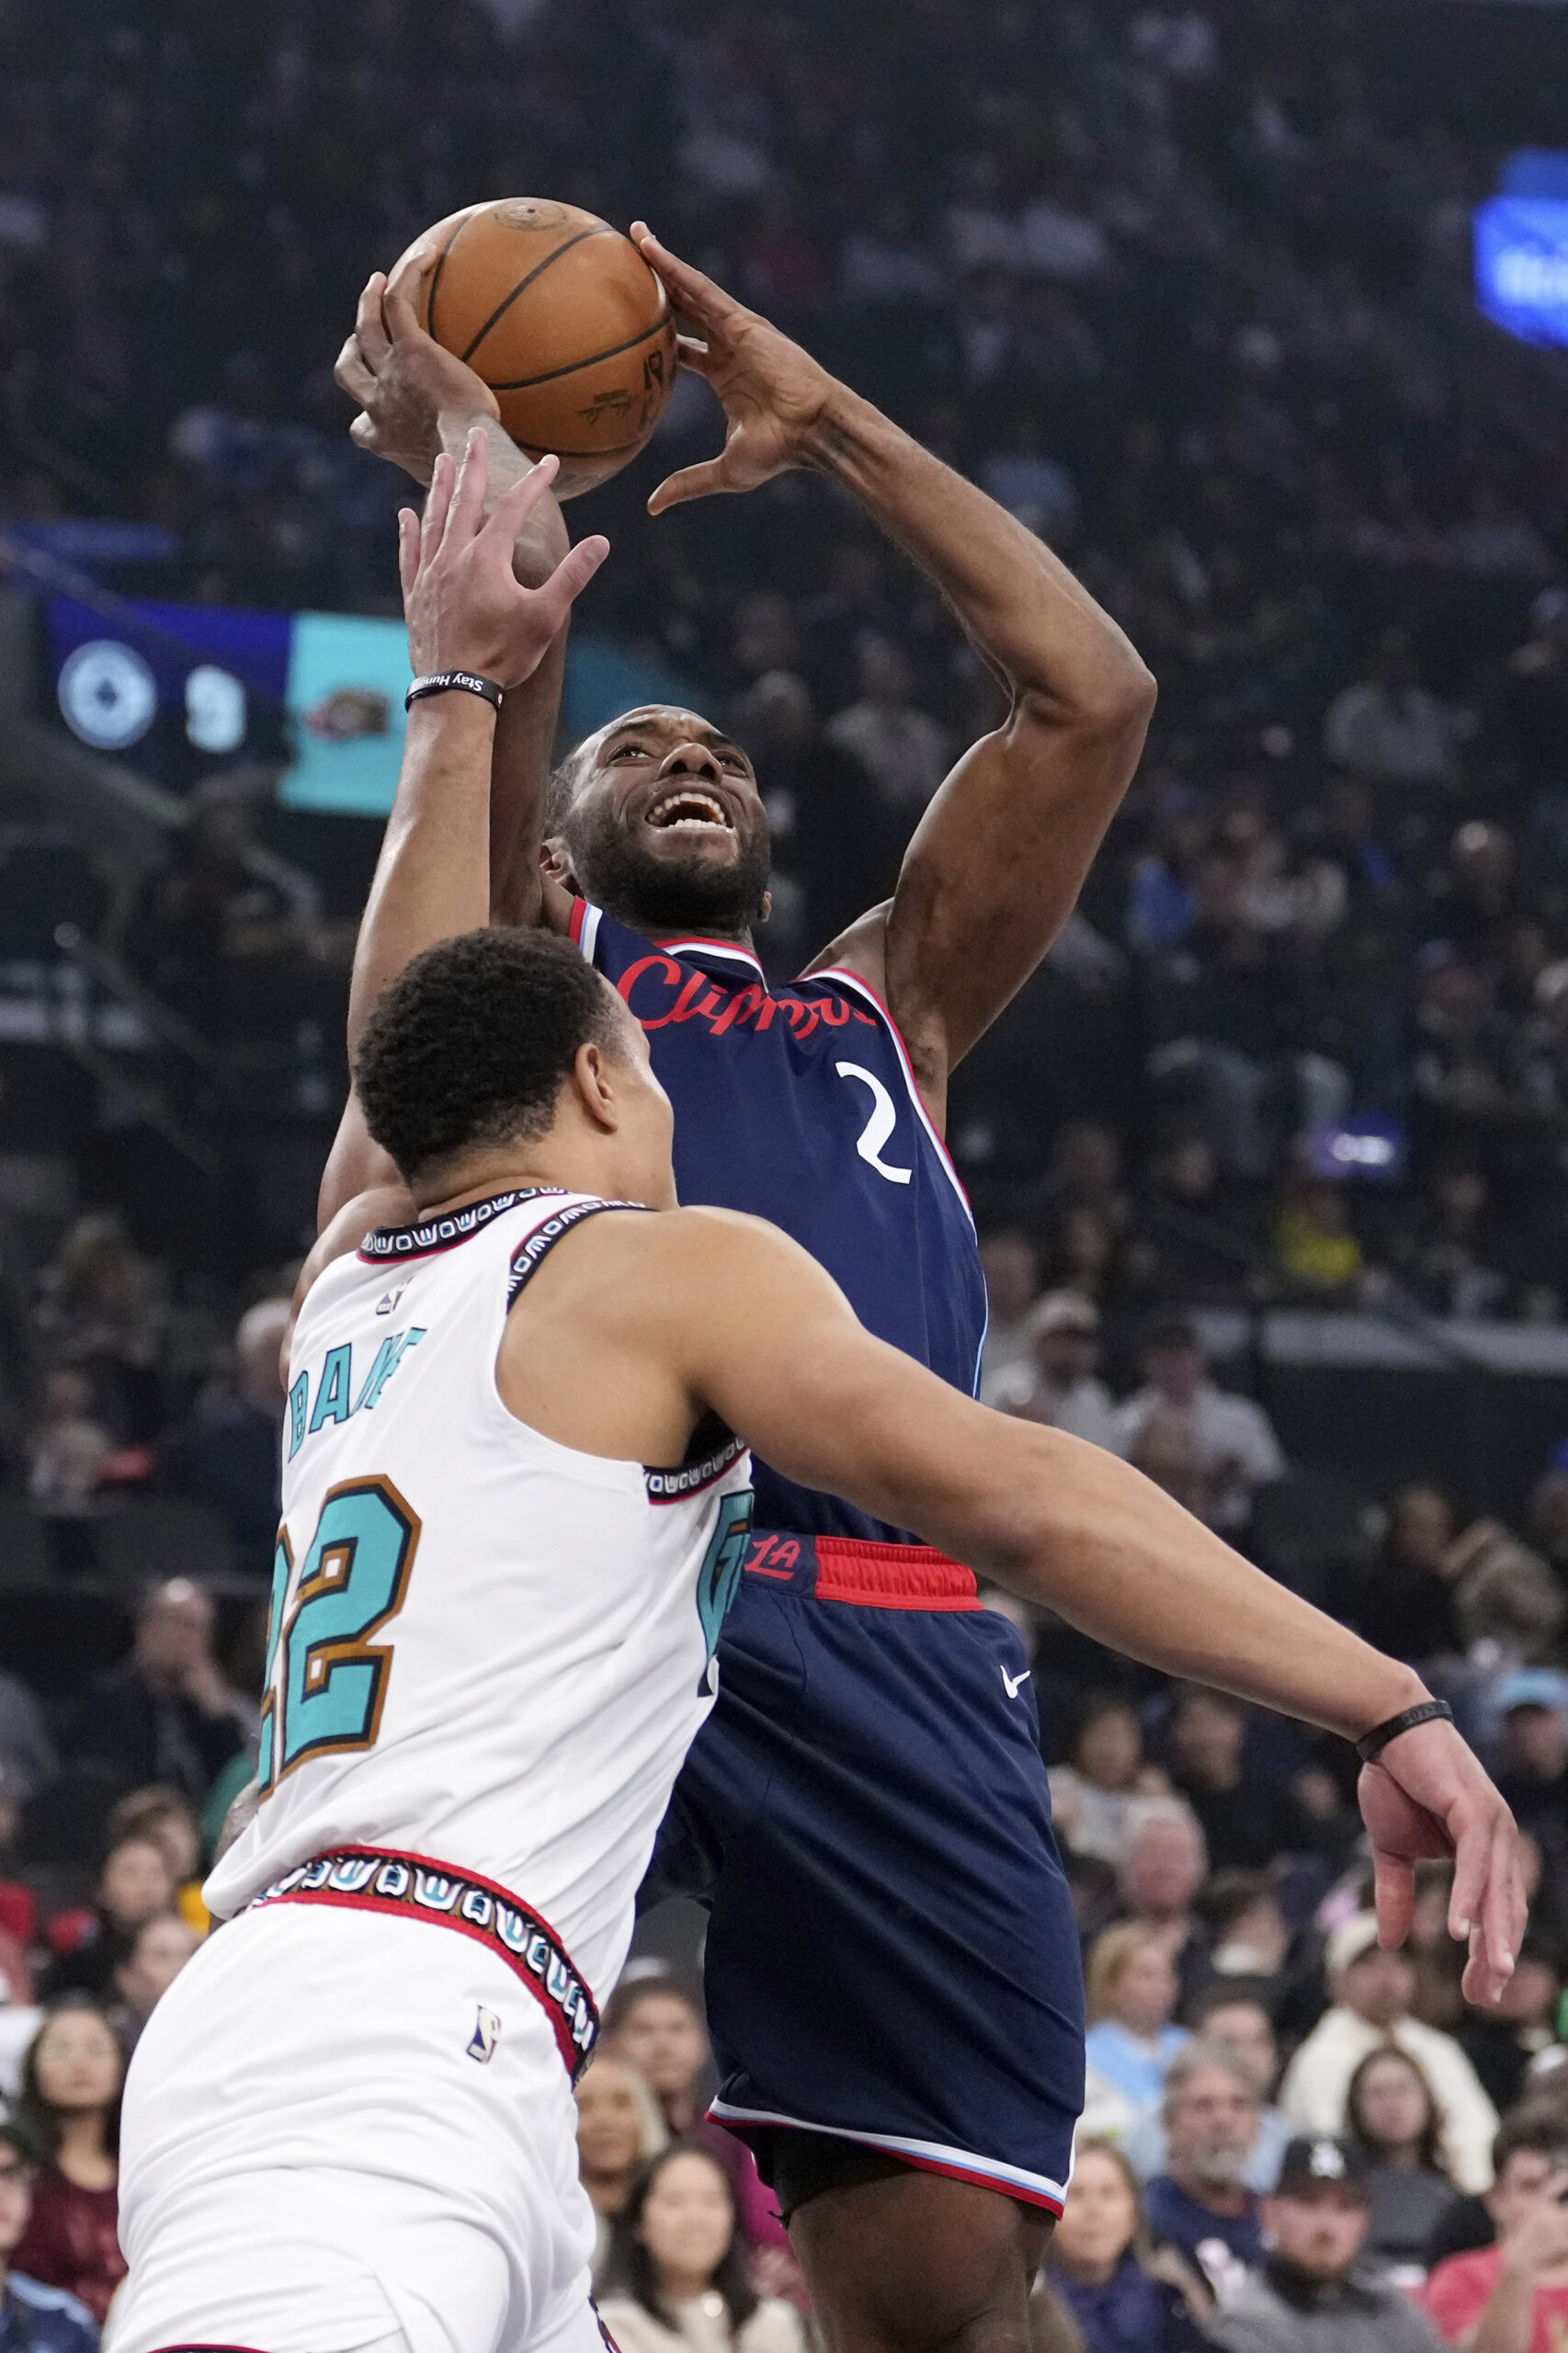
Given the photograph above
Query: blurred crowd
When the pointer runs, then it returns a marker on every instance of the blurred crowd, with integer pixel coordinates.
(1188, 289)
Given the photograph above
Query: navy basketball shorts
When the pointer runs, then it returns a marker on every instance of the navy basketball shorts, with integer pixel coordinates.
(892, 1955)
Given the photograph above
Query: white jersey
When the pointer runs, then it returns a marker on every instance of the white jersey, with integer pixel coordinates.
(488, 1651)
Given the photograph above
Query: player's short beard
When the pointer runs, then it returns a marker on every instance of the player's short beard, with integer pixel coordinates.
(665, 894)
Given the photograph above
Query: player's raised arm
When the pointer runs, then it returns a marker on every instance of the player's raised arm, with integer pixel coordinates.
(999, 858)
(772, 1346)
(416, 400)
(467, 613)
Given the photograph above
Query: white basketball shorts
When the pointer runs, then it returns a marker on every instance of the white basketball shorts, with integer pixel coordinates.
(344, 2131)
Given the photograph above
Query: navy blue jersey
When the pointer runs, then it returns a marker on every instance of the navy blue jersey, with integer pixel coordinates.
(801, 1107)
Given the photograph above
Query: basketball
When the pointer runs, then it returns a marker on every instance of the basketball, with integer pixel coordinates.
(565, 321)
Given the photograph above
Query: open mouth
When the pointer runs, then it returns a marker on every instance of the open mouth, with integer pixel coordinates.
(690, 810)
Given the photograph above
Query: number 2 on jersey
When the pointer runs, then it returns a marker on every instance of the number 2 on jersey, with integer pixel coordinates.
(325, 1679)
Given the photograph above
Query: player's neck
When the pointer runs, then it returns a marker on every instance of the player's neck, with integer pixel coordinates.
(554, 1164)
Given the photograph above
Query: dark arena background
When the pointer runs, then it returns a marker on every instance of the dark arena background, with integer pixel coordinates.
(1257, 312)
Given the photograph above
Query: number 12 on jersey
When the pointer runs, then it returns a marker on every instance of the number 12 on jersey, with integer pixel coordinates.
(325, 1678)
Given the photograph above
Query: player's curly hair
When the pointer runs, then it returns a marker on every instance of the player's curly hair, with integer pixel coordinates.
(472, 1042)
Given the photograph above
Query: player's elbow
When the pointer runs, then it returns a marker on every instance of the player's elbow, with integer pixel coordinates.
(1110, 701)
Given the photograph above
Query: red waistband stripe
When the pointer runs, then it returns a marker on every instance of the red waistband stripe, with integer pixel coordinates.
(869, 1574)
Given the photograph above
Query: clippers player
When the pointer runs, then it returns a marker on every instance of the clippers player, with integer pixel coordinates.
(891, 1967)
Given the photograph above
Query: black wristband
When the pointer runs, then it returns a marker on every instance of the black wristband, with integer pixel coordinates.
(1430, 1712)
(440, 682)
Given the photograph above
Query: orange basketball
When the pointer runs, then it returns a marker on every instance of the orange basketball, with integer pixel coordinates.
(565, 321)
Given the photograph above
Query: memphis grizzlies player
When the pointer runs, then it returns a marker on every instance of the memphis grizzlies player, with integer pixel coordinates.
(891, 1966)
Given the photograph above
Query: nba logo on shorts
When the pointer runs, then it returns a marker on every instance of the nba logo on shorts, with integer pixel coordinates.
(486, 2033)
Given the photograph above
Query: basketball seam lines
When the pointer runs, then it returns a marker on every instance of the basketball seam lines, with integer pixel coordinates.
(522, 384)
(536, 451)
(436, 278)
(524, 283)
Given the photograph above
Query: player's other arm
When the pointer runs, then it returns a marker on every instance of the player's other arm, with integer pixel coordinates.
(772, 1344)
(466, 611)
(416, 400)
(1000, 857)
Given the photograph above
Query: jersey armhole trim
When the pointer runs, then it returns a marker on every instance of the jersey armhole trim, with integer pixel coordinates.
(863, 988)
(535, 1248)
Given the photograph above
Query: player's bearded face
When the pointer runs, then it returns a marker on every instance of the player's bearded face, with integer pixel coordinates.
(657, 871)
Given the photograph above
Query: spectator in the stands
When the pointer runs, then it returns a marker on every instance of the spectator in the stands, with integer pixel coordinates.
(686, 2287)
(1232, 2015)
(167, 1819)
(1373, 1991)
(28, 1758)
(1391, 2119)
(1131, 1994)
(1313, 2292)
(1505, 1595)
(1237, 1450)
(1532, 1706)
(900, 747)
(1244, 1926)
(1164, 1864)
(1061, 1386)
(68, 1447)
(1504, 2042)
(1512, 2297)
(1125, 2296)
(1091, 1795)
(33, 2318)
(134, 1885)
(234, 1458)
(1249, 1815)
(619, 2130)
(1405, 1607)
(654, 2024)
(1010, 1264)
(1201, 2202)
(99, 1303)
(1388, 729)
(167, 1713)
(152, 1959)
(70, 2105)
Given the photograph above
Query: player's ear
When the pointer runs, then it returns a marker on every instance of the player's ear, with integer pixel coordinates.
(764, 906)
(555, 863)
(593, 1075)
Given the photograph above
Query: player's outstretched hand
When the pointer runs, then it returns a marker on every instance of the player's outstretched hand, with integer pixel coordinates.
(774, 394)
(406, 384)
(465, 609)
(1425, 1798)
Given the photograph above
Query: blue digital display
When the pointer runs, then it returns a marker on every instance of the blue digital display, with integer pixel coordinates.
(1521, 265)
(178, 690)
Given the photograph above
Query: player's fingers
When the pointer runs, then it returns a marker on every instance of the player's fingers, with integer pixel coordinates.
(515, 505)
(444, 474)
(1501, 1909)
(350, 373)
(569, 579)
(1393, 1896)
(1473, 1851)
(402, 320)
(692, 482)
(413, 271)
(468, 496)
(697, 296)
(694, 355)
(407, 547)
(369, 327)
